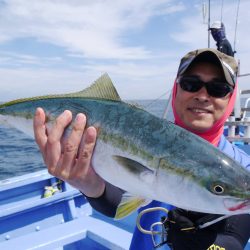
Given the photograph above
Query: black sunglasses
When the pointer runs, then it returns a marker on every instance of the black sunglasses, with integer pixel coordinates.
(214, 88)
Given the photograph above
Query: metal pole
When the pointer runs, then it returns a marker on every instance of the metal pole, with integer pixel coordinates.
(208, 23)
(221, 11)
(236, 24)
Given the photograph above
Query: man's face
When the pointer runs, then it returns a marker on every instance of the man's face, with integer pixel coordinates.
(199, 111)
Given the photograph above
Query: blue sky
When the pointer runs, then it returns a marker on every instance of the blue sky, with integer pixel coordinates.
(49, 47)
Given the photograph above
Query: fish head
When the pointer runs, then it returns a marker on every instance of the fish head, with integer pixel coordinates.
(228, 184)
(234, 192)
(222, 187)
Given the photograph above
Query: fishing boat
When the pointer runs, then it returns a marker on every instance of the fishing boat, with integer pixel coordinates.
(38, 211)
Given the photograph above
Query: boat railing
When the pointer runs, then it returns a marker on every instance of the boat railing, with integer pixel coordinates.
(245, 109)
(243, 126)
(238, 124)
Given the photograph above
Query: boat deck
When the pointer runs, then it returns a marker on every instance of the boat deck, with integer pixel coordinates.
(62, 221)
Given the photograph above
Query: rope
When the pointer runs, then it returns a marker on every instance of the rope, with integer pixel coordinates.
(158, 98)
(236, 25)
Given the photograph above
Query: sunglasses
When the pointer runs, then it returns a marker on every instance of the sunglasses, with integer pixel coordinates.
(215, 88)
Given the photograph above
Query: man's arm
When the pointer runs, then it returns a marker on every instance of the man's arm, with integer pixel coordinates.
(236, 233)
(108, 202)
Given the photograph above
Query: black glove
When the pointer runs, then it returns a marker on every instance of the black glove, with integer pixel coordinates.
(184, 233)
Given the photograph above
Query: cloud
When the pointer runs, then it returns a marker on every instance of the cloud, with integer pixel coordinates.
(91, 28)
(132, 80)
(139, 43)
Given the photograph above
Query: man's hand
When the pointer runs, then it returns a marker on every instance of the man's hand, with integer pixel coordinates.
(69, 159)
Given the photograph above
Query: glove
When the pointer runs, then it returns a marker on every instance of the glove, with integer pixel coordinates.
(184, 233)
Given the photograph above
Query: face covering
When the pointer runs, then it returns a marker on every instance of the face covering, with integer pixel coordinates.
(218, 35)
(213, 134)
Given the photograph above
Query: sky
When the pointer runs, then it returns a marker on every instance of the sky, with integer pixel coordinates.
(62, 46)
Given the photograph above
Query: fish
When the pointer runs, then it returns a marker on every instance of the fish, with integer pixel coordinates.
(148, 157)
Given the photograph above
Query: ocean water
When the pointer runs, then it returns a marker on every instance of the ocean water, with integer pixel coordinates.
(19, 153)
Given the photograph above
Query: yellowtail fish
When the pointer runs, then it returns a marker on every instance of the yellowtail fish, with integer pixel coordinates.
(149, 157)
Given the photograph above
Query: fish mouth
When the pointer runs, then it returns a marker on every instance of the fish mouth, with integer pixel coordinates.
(240, 206)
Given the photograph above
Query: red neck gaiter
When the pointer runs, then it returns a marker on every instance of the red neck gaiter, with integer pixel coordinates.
(214, 133)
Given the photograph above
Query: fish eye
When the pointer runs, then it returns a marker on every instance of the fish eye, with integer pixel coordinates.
(218, 189)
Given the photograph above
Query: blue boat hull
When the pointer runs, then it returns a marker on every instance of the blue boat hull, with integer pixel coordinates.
(64, 220)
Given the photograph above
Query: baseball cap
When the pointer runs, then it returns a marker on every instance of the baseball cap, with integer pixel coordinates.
(217, 25)
(227, 63)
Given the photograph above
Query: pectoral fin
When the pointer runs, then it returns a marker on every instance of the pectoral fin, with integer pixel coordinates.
(132, 165)
(129, 204)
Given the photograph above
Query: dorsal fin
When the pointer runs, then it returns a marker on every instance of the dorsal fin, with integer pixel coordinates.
(102, 88)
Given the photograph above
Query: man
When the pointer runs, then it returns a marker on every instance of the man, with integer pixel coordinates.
(203, 98)
(219, 35)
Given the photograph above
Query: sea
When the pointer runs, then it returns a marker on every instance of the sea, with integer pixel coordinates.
(20, 155)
